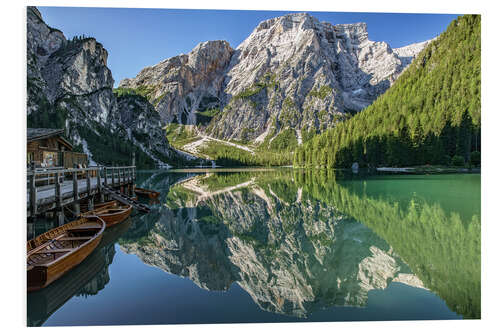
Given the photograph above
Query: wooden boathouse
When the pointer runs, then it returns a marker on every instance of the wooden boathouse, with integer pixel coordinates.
(47, 147)
(58, 179)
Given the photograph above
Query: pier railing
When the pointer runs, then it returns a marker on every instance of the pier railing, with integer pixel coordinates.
(56, 184)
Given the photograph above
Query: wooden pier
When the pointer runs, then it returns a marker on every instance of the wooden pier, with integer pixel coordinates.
(58, 188)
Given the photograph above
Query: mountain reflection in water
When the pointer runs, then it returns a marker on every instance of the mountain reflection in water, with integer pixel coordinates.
(299, 243)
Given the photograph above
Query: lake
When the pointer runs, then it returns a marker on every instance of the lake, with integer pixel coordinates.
(280, 245)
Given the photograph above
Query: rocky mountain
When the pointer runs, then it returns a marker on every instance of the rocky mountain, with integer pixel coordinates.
(292, 73)
(183, 84)
(70, 86)
(409, 52)
(430, 115)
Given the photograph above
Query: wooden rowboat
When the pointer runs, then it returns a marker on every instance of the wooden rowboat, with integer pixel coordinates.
(92, 273)
(111, 214)
(146, 193)
(52, 254)
(84, 207)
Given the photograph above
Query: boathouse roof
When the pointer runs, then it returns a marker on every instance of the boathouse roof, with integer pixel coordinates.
(34, 134)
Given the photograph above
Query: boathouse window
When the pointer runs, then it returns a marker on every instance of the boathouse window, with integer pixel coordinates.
(30, 157)
(49, 159)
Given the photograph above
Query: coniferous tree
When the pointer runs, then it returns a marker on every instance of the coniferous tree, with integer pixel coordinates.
(429, 115)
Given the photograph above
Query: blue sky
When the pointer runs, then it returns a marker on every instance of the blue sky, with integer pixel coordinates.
(137, 37)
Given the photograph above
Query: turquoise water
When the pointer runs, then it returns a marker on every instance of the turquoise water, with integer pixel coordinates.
(280, 246)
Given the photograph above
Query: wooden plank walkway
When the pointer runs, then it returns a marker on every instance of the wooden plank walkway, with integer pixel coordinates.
(60, 194)
(47, 193)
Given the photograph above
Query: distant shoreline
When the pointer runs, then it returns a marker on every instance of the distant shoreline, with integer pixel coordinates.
(427, 170)
(381, 170)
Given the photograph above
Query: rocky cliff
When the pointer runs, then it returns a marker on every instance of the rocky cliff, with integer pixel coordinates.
(181, 85)
(292, 72)
(70, 86)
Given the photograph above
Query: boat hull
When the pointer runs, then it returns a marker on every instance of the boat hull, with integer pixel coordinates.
(43, 303)
(114, 219)
(112, 215)
(146, 193)
(85, 207)
(40, 276)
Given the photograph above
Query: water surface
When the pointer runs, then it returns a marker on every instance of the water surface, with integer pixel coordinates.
(280, 246)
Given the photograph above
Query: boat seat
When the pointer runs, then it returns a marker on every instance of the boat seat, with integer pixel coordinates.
(55, 251)
(85, 227)
(74, 238)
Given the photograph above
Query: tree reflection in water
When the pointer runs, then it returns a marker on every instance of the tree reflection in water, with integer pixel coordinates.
(301, 241)
(298, 241)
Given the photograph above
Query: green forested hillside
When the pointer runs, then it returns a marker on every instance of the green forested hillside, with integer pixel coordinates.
(431, 115)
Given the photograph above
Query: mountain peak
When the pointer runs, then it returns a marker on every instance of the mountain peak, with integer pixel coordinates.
(287, 20)
(210, 43)
(291, 73)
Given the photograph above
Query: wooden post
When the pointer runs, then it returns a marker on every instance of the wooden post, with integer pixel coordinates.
(120, 177)
(90, 201)
(133, 180)
(58, 191)
(32, 190)
(105, 176)
(31, 230)
(60, 217)
(133, 170)
(76, 204)
(59, 208)
(99, 185)
(112, 177)
(87, 174)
